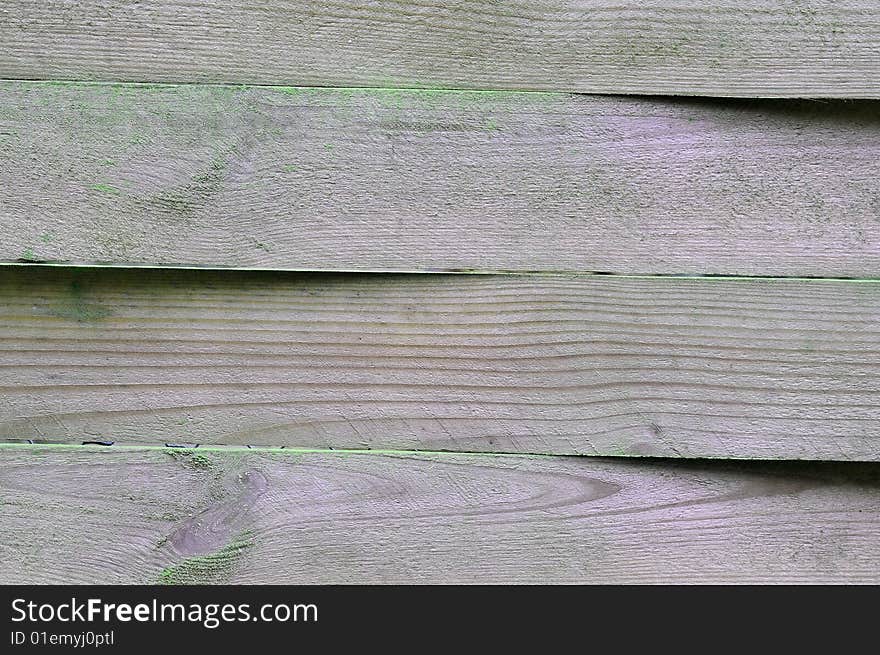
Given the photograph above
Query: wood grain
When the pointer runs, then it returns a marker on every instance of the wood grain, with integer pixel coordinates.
(688, 367)
(804, 48)
(129, 516)
(403, 180)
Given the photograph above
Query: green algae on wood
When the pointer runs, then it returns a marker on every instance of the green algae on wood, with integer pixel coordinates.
(190, 458)
(214, 568)
(76, 306)
(106, 188)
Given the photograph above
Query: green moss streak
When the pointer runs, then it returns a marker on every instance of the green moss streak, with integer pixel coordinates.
(240, 450)
(106, 188)
(186, 198)
(191, 459)
(77, 308)
(206, 569)
(290, 90)
(401, 97)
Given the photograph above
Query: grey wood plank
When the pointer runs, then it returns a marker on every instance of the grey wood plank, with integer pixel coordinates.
(142, 516)
(681, 367)
(414, 180)
(807, 48)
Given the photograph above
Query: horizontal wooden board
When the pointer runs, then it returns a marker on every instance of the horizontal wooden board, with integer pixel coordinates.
(719, 47)
(404, 180)
(129, 516)
(688, 367)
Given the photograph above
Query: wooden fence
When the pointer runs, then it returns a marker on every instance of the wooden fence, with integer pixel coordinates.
(453, 292)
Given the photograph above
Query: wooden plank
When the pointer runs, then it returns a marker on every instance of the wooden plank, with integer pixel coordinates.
(401, 180)
(142, 516)
(805, 48)
(688, 367)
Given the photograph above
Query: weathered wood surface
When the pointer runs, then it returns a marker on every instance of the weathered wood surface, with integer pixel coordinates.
(118, 516)
(401, 180)
(804, 48)
(686, 367)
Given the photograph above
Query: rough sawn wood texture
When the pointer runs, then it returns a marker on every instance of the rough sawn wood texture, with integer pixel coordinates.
(337, 179)
(120, 516)
(605, 365)
(805, 48)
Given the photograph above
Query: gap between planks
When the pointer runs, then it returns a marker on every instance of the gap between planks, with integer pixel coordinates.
(85, 266)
